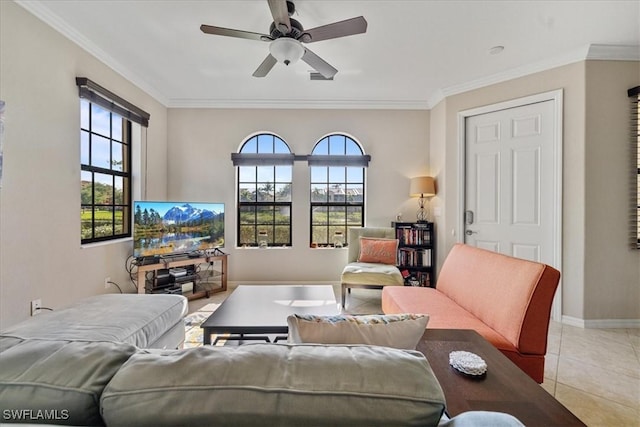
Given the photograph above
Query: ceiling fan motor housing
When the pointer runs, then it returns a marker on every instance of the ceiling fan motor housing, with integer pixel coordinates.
(296, 30)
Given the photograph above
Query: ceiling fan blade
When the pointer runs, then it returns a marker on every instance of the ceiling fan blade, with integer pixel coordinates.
(344, 28)
(219, 31)
(266, 66)
(319, 64)
(280, 15)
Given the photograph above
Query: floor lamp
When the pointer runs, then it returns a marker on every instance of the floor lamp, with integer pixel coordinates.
(422, 187)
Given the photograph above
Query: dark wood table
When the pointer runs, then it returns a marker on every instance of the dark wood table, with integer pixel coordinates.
(504, 388)
(253, 311)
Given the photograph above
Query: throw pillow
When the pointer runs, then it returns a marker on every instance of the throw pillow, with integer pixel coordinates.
(378, 251)
(401, 331)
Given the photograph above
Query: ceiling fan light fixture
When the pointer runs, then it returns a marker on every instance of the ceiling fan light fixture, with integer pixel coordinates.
(286, 50)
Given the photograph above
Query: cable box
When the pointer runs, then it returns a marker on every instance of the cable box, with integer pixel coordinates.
(178, 272)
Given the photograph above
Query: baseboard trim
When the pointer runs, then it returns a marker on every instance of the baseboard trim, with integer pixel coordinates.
(601, 323)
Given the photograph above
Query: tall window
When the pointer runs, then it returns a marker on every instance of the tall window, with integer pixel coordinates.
(337, 165)
(105, 177)
(634, 96)
(265, 167)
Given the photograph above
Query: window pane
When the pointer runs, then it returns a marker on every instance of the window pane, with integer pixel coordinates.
(247, 235)
(117, 156)
(336, 193)
(355, 194)
(283, 173)
(247, 215)
(84, 147)
(281, 147)
(247, 173)
(337, 174)
(322, 147)
(119, 221)
(355, 174)
(100, 120)
(100, 152)
(282, 235)
(265, 143)
(265, 173)
(319, 193)
(353, 149)
(319, 215)
(86, 222)
(251, 146)
(337, 215)
(319, 174)
(283, 215)
(117, 128)
(336, 145)
(265, 214)
(103, 217)
(119, 190)
(84, 114)
(266, 192)
(283, 192)
(319, 234)
(247, 193)
(354, 216)
(103, 188)
(86, 188)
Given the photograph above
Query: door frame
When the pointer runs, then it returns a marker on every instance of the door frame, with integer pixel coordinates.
(557, 97)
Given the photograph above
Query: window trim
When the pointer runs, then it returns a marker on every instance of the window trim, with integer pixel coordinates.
(241, 159)
(337, 160)
(126, 175)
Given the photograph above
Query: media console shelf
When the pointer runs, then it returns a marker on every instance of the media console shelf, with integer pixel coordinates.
(210, 280)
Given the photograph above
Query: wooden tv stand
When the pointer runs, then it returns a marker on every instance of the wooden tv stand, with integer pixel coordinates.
(219, 271)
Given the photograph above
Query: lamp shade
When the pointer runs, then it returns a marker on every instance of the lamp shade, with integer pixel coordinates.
(286, 50)
(422, 186)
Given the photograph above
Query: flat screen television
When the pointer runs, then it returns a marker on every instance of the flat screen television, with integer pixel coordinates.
(173, 228)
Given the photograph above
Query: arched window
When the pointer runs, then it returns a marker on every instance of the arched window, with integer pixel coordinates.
(265, 165)
(337, 165)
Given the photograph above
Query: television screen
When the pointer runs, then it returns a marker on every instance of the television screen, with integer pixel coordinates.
(167, 228)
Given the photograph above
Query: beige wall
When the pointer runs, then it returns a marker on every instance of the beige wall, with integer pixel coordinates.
(200, 145)
(587, 294)
(40, 253)
(612, 269)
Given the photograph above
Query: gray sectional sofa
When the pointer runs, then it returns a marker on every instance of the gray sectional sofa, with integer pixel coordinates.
(75, 367)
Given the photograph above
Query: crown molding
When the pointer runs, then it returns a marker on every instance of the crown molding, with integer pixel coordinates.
(607, 52)
(299, 104)
(36, 8)
(588, 52)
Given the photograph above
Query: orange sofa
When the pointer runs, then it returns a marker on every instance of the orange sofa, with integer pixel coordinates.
(506, 300)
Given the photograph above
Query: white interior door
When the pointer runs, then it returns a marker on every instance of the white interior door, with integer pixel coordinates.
(509, 206)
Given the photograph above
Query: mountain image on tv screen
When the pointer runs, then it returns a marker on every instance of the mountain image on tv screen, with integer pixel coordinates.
(165, 228)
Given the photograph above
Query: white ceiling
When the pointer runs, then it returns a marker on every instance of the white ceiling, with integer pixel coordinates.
(413, 53)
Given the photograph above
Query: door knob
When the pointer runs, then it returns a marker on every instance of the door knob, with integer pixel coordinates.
(470, 232)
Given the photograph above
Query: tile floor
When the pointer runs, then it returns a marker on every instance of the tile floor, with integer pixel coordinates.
(595, 373)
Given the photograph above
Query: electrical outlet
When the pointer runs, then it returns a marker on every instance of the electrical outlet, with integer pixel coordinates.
(106, 282)
(36, 304)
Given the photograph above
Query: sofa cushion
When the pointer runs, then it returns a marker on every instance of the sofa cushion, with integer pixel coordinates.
(443, 312)
(362, 273)
(275, 384)
(56, 382)
(378, 251)
(397, 331)
(141, 320)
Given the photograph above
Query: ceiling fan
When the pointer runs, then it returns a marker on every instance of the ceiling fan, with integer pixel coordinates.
(286, 36)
